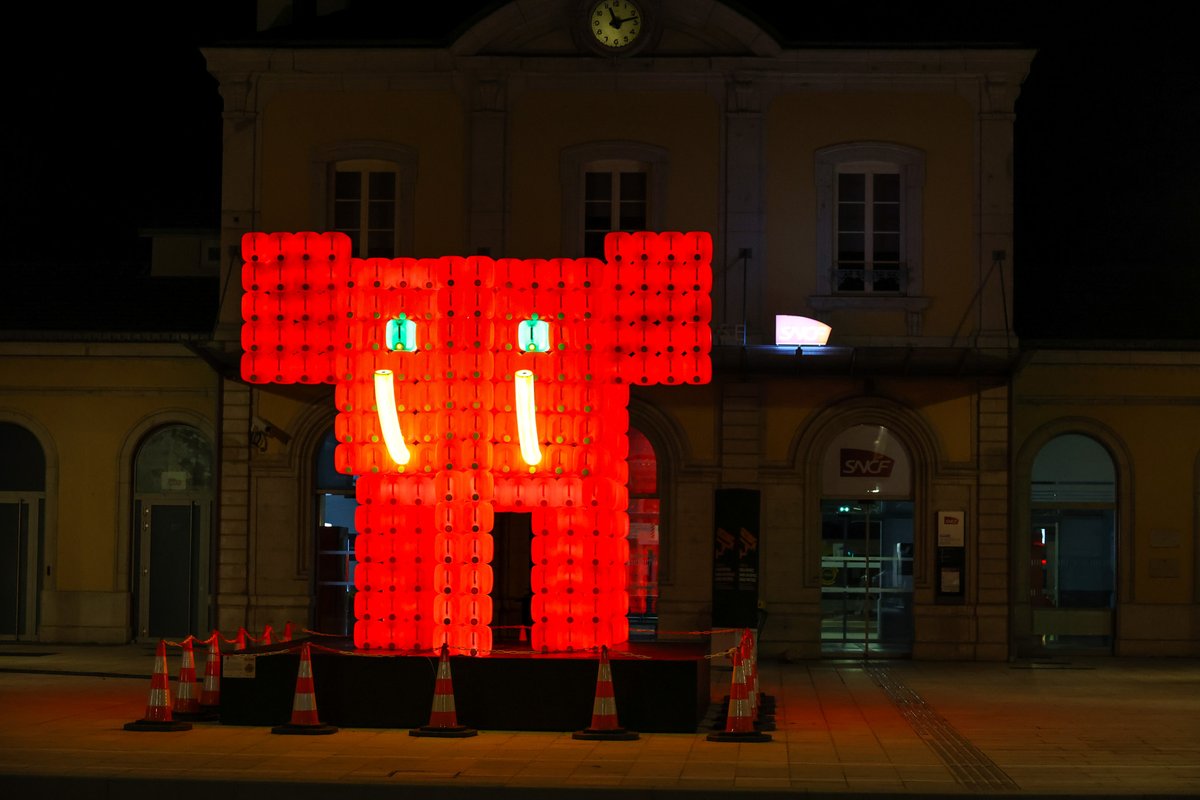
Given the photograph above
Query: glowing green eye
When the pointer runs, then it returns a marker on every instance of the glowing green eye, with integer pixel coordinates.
(533, 335)
(401, 334)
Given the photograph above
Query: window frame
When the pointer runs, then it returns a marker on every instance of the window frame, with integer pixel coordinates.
(577, 161)
(384, 156)
(870, 158)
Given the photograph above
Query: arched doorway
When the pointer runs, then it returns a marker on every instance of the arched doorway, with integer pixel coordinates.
(1072, 546)
(866, 545)
(22, 535)
(172, 485)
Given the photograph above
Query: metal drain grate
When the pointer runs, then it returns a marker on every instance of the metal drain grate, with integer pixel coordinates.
(967, 763)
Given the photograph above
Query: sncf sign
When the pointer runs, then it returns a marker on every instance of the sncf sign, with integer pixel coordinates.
(865, 464)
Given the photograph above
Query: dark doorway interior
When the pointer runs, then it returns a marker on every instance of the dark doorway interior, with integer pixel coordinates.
(511, 592)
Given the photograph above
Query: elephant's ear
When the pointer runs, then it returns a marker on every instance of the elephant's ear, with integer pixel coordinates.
(294, 305)
(660, 287)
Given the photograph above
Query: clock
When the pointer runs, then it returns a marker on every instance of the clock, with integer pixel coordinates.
(615, 26)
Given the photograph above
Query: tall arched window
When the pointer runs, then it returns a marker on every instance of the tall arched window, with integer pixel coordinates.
(644, 516)
(866, 544)
(173, 485)
(22, 509)
(1073, 544)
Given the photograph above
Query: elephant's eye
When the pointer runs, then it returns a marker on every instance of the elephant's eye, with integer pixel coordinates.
(533, 335)
(401, 334)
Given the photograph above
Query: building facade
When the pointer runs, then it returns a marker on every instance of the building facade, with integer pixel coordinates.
(918, 486)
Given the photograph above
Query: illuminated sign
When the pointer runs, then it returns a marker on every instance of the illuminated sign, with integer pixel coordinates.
(467, 386)
(797, 331)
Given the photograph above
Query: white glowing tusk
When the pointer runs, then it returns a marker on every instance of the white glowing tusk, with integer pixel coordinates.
(526, 417)
(389, 422)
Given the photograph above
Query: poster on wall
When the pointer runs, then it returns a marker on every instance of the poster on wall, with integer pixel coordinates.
(735, 558)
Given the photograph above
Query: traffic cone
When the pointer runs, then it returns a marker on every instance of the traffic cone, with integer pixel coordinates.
(239, 643)
(443, 720)
(739, 723)
(304, 705)
(187, 693)
(158, 707)
(210, 692)
(287, 632)
(764, 720)
(604, 709)
(266, 635)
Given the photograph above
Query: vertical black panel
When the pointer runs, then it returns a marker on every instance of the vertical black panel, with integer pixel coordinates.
(11, 564)
(735, 558)
(170, 570)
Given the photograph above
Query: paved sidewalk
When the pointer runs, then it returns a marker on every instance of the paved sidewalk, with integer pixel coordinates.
(1086, 727)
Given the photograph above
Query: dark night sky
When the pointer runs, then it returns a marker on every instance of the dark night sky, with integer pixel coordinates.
(117, 127)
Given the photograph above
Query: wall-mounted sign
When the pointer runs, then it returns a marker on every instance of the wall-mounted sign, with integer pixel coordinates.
(950, 528)
(866, 462)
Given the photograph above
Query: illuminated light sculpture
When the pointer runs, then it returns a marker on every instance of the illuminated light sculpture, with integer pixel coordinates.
(467, 386)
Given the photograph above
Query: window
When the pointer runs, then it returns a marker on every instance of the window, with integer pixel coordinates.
(868, 229)
(610, 186)
(615, 198)
(365, 190)
(364, 207)
(869, 210)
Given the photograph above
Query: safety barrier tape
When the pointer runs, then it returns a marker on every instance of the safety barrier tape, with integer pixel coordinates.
(286, 645)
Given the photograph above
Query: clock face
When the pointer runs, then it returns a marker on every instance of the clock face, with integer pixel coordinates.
(616, 24)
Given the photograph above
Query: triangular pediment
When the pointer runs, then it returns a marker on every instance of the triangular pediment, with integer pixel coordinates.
(674, 28)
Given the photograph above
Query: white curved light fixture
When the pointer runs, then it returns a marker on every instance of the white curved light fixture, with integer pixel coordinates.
(389, 421)
(800, 331)
(526, 417)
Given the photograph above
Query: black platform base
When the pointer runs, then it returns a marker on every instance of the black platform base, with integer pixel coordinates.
(660, 688)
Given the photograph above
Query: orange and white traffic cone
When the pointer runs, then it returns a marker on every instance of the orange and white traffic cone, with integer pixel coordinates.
(287, 632)
(210, 691)
(443, 720)
(304, 705)
(739, 721)
(266, 635)
(239, 643)
(604, 709)
(187, 692)
(158, 707)
(764, 717)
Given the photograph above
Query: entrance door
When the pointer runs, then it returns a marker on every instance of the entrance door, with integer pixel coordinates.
(168, 556)
(866, 577)
(1072, 585)
(173, 484)
(18, 568)
(511, 593)
(1071, 574)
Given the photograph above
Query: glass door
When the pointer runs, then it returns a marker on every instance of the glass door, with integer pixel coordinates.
(19, 546)
(866, 577)
(333, 541)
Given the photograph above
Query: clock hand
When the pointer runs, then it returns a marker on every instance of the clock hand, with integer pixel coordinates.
(614, 21)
